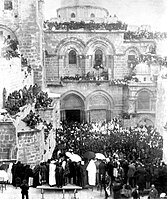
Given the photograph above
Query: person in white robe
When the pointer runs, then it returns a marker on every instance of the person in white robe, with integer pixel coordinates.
(91, 168)
(9, 172)
(52, 174)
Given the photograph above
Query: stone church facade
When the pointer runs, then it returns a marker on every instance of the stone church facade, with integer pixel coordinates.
(85, 67)
(76, 53)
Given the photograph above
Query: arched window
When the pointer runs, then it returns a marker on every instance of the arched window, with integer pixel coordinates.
(143, 101)
(72, 57)
(98, 58)
(72, 15)
(92, 15)
(132, 59)
(8, 5)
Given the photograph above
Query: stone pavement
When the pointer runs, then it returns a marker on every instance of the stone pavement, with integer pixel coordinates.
(13, 193)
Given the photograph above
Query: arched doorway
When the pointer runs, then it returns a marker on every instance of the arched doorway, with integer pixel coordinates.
(72, 108)
(99, 107)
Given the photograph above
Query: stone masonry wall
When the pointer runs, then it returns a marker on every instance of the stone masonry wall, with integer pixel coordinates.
(57, 43)
(30, 146)
(25, 21)
(7, 140)
(30, 36)
(86, 89)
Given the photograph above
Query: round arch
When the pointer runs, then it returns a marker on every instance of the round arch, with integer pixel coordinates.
(132, 48)
(70, 43)
(72, 106)
(146, 90)
(99, 106)
(7, 29)
(145, 100)
(99, 42)
(146, 120)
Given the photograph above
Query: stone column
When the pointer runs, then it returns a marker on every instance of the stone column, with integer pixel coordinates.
(110, 66)
(88, 64)
(131, 108)
(81, 64)
(61, 62)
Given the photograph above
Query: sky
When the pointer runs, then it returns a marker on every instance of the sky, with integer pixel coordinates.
(132, 12)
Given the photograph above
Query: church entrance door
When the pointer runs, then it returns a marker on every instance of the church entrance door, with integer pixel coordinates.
(73, 115)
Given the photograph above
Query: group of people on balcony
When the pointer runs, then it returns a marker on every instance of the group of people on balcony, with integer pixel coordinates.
(72, 25)
(33, 94)
(90, 76)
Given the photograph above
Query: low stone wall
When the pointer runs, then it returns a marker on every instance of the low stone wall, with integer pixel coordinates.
(30, 146)
(7, 141)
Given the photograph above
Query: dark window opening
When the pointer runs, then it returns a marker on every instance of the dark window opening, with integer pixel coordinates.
(8, 5)
(92, 15)
(98, 58)
(131, 57)
(72, 57)
(72, 15)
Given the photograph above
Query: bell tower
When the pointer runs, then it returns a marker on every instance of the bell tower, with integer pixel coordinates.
(30, 35)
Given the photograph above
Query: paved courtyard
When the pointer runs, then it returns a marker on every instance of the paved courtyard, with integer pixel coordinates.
(13, 193)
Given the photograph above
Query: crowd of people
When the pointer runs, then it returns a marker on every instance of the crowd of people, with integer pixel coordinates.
(107, 137)
(33, 94)
(115, 174)
(131, 159)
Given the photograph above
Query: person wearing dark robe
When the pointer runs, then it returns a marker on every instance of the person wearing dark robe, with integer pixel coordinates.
(102, 174)
(110, 168)
(13, 175)
(107, 185)
(125, 166)
(84, 180)
(19, 172)
(43, 173)
(28, 173)
(59, 175)
(36, 171)
(136, 193)
(153, 194)
(140, 174)
(78, 174)
(117, 186)
(24, 189)
(72, 167)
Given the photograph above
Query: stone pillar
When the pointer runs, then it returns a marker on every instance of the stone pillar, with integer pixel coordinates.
(132, 107)
(61, 62)
(88, 64)
(87, 116)
(83, 65)
(110, 66)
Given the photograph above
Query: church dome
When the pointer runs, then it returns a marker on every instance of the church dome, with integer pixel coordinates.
(70, 3)
(142, 69)
(82, 10)
(143, 72)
